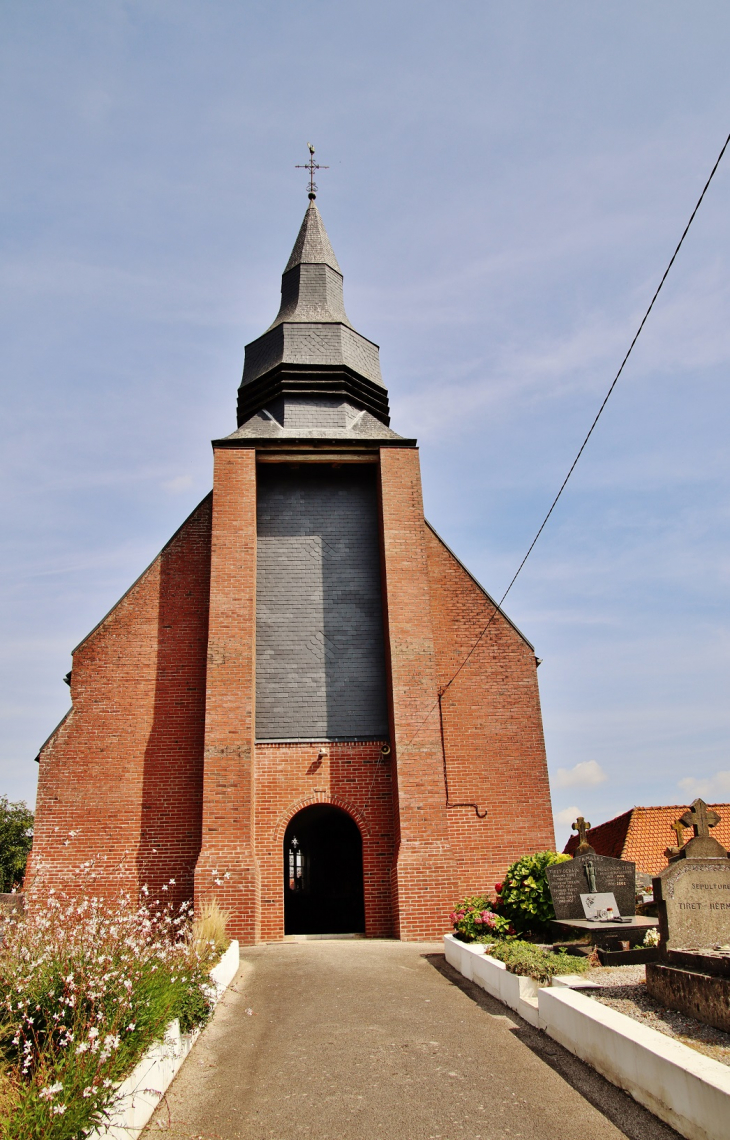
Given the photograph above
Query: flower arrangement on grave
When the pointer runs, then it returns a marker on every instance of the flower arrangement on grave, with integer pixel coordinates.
(474, 920)
(85, 988)
(523, 896)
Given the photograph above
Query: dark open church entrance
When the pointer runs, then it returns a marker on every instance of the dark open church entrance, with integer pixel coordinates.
(323, 883)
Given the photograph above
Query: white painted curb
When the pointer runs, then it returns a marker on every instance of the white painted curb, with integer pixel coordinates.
(140, 1093)
(682, 1087)
(520, 994)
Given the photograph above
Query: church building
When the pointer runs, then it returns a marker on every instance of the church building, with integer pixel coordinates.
(266, 716)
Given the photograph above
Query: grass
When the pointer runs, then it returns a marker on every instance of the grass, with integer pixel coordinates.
(209, 928)
(532, 961)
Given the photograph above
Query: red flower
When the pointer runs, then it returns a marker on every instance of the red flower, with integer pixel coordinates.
(498, 888)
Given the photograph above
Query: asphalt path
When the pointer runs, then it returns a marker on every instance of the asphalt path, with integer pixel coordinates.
(355, 1040)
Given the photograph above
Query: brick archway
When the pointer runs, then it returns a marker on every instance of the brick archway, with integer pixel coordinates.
(349, 775)
(320, 798)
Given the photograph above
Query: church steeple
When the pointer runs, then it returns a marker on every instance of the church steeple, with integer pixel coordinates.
(311, 348)
(311, 285)
(313, 245)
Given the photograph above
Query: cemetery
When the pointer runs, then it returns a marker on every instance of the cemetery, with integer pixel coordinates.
(664, 1039)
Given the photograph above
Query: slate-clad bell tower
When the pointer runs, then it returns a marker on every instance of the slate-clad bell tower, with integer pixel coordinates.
(258, 718)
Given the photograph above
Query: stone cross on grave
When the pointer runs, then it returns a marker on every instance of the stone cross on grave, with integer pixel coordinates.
(678, 829)
(582, 827)
(700, 818)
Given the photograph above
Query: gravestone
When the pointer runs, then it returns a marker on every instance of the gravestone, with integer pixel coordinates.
(595, 874)
(693, 903)
(590, 873)
(693, 892)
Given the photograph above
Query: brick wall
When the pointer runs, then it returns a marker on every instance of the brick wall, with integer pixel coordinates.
(124, 771)
(495, 751)
(227, 867)
(424, 882)
(353, 776)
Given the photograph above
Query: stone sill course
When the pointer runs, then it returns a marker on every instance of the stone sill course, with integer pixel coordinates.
(684, 1088)
(142, 1090)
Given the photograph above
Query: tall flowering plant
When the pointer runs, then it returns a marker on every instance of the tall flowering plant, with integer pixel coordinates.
(474, 920)
(85, 988)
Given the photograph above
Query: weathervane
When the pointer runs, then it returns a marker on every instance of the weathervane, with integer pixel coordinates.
(311, 166)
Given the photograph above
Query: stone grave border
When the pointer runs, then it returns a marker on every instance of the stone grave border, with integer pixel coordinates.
(684, 1088)
(140, 1093)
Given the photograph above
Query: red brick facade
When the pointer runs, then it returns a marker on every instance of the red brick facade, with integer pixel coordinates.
(120, 789)
(156, 769)
(493, 739)
(355, 777)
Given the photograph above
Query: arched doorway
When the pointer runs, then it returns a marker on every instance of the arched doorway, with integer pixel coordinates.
(323, 882)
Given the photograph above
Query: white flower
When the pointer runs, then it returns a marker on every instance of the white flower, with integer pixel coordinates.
(93, 1032)
(51, 1091)
(58, 1109)
(88, 1090)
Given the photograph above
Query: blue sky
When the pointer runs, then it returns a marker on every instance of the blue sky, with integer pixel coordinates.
(506, 185)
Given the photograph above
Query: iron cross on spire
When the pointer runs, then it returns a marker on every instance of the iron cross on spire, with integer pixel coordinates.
(311, 166)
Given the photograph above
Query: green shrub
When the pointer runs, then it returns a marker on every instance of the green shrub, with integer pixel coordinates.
(523, 896)
(533, 962)
(16, 839)
(474, 920)
(85, 988)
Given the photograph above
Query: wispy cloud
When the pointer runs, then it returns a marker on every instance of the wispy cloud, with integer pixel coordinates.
(179, 483)
(709, 788)
(567, 816)
(585, 774)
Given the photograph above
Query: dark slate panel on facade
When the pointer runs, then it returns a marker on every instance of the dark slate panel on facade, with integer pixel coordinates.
(320, 671)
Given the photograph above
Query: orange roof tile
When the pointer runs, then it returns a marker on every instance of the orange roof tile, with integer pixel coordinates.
(642, 834)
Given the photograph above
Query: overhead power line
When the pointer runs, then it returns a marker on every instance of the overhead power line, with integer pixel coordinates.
(599, 413)
(498, 607)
